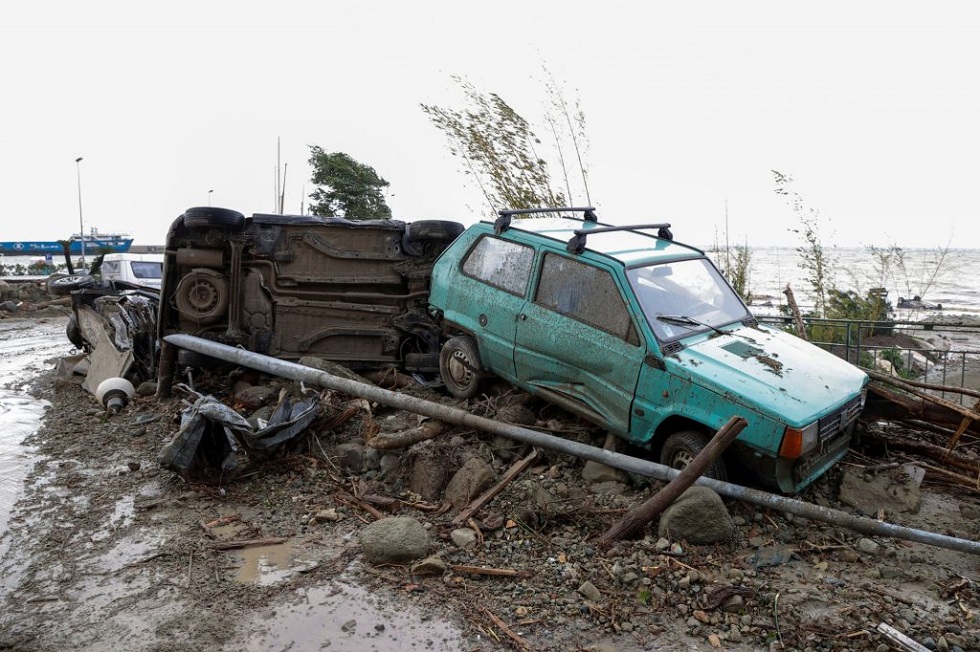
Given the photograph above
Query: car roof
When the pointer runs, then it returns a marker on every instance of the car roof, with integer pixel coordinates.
(630, 246)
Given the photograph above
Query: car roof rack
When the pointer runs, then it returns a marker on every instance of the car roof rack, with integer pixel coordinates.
(502, 223)
(576, 244)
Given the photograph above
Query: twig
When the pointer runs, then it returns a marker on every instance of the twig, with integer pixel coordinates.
(224, 520)
(511, 634)
(404, 439)
(245, 543)
(467, 512)
(351, 500)
(775, 619)
(494, 572)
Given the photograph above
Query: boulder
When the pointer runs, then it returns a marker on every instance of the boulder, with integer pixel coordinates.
(698, 516)
(470, 481)
(395, 540)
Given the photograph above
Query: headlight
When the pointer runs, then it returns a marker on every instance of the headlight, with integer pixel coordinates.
(798, 442)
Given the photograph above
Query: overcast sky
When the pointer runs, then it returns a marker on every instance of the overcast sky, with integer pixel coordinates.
(873, 107)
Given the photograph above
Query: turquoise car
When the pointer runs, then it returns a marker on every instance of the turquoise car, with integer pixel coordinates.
(642, 336)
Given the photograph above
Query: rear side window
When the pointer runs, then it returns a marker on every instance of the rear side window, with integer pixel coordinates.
(147, 269)
(110, 267)
(500, 263)
(585, 293)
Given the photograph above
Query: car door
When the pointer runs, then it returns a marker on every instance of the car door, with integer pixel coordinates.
(576, 343)
(488, 297)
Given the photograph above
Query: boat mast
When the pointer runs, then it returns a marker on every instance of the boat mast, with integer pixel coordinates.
(81, 222)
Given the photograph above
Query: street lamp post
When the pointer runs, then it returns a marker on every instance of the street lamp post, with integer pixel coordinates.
(81, 222)
(209, 196)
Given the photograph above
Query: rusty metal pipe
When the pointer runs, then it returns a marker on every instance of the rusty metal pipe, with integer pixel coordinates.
(298, 372)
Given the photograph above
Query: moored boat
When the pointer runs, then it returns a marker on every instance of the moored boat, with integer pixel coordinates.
(95, 243)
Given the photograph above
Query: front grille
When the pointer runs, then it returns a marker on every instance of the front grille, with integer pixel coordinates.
(838, 420)
(828, 450)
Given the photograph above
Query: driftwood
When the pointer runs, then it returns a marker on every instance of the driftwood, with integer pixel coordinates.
(797, 315)
(491, 572)
(896, 406)
(901, 640)
(245, 543)
(639, 516)
(911, 388)
(467, 512)
(925, 449)
(406, 438)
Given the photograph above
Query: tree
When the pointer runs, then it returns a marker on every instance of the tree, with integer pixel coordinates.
(346, 188)
(498, 149)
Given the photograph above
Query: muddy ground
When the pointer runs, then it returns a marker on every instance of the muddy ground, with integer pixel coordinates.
(107, 551)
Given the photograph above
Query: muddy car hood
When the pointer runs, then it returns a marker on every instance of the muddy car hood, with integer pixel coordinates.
(771, 372)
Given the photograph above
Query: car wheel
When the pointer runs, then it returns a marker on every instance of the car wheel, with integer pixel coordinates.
(681, 448)
(74, 333)
(207, 217)
(459, 366)
(65, 285)
(428, 236)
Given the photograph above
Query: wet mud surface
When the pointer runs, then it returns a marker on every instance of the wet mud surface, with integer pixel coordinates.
(107, 551)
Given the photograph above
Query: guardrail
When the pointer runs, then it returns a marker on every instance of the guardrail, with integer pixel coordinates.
(943, 352)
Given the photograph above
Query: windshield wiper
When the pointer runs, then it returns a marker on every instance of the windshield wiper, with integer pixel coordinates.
(684, 320)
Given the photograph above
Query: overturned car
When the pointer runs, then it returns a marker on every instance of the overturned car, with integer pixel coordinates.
(289, 286)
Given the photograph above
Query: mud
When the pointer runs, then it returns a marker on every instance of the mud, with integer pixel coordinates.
(106, 551)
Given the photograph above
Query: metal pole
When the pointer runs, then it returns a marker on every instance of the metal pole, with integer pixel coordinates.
(81, 222)
(298, 372)
(209, 197)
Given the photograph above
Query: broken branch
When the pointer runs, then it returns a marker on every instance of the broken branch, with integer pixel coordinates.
(639, 516)
(406, 438)
(514, 471)
(246, 543)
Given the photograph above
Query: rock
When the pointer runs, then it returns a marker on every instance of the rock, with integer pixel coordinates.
(147, 388)
(252, 397)
(356, 457)
(428, 478)
(894, 491)
(330, 515)
(971, 512)
(867, 546)
(469, 482)
(463, 537)
(394, 540)
(734, 605)
(8, 306)
(432, 565)
(698, 516)
(590, 592)
(133, 466)
(517, 414)
(594, 473)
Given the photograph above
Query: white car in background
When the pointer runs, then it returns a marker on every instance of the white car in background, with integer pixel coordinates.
(138, 269)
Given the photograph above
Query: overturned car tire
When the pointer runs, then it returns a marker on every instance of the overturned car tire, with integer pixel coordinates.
(61, 287)
(207, 217)
(429, 236)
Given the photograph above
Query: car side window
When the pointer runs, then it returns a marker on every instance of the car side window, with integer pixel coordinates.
(585, 293)
(500, 263)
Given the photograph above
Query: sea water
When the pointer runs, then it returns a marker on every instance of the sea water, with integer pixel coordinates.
(951, 279)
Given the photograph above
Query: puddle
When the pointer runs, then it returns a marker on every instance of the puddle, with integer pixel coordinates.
(342, 617)
(273, 564)
(25, 346)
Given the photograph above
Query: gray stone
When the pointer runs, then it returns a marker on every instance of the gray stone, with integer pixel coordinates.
(469, 482)
(394, 540)
(595, 473)
(516, 414)
(428, 478)
(698, 516)
(463, 537)
(867, 546)
(894, 491)
(433, 565)
(590, 592)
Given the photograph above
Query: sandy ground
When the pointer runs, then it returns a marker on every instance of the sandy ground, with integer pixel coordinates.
(107, 551)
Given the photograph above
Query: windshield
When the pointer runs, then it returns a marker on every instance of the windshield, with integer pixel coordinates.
(685, 297)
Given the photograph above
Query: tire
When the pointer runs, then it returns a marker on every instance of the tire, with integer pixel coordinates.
(206, 217)
(61, 287)
(428, 236)
(201, 296)
(459, 366)
(74, 333)
(680, 449)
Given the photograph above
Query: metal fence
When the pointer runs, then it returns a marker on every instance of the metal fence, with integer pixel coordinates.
(943, 352)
